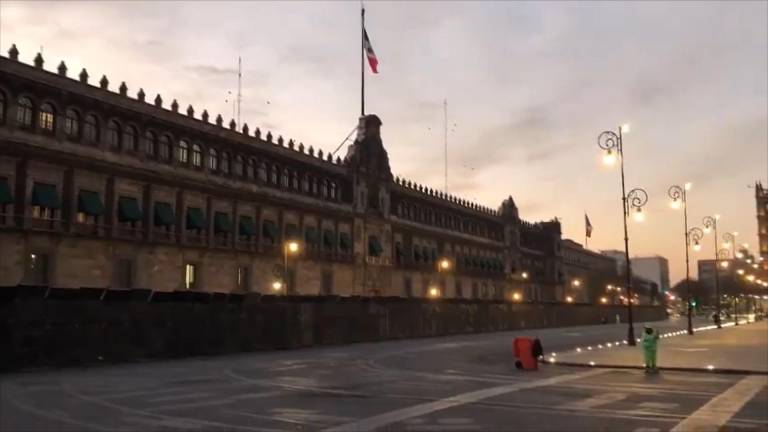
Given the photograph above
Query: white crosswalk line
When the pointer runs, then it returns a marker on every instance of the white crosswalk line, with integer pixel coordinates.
(715, 413)
(371, 423)
(595, 401)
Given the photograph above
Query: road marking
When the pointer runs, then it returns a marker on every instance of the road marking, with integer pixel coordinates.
(659, 405)
(216, 402)
(371, 423)
(716, 413)
(286, 368)
(596, 401)
(178, 397)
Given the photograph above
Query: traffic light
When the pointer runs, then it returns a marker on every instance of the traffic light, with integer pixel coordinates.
(693, 302)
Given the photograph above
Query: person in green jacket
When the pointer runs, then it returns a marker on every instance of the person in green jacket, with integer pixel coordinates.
(650, 344)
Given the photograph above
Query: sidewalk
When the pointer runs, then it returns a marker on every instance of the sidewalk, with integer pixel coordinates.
(741, 349)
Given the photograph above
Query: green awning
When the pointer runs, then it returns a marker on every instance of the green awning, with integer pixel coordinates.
(195, 218)
(311, 236)
(374, 246)
(329, 239)
(292, 232)
(269, 230)
(163, 214)
(89, 202)
(5, 192)
(247, 227)
(128, 210)
(344, 242)
(45, 195)
(221, 223)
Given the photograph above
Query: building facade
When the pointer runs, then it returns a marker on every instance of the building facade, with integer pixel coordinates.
(101, 189)
(653, 268)
(587, 274)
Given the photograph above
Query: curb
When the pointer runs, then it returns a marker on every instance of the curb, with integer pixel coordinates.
(670, 368)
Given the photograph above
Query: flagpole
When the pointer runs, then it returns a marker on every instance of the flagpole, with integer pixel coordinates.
(362, 60)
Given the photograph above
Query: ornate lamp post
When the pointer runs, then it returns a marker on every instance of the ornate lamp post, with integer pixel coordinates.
(729, 240)
(710, 224)
(613, 145)
(694, 237)
(679, 197)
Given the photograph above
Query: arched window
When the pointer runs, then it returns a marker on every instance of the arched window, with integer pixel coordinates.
(130, 139)
(225, 163)
(285, 179)
(334, 191)
(113, 134)
(2, 107)
(91, 129)
(150, 144)
(274, 174)
(47, 117)
(305, 184)
(213, 160)
(72, 124)
(295, 181)
(183, 152)
(324, 189)
(165, 148)
(315, 187)
(262, 175)
(197, 155)
(238, 168)
(252, 170)
(24, 112)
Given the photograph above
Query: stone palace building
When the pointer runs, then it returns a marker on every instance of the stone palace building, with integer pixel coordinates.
(99, 188)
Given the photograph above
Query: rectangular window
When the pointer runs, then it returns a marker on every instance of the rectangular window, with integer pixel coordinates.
(190, 276)
(326, 286)
(242, 278)
(123, 274)
(36, 270)
(459, 289)
(164, 216)
(89, 207)
(246, 228)
(195, 219)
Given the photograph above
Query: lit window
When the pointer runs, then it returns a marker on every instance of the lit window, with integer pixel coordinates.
(72, 124)
(91, 129)
(242, 278)
(150, 144)
(190, 276)
(113, 134)
(129, 139)
(213, 160)
(24, 112)
(183, 152)
(46, 117)
(197, 156)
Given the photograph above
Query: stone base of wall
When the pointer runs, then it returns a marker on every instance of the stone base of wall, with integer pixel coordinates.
(67, 327)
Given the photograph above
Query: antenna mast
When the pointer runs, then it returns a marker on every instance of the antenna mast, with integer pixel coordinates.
(445, 140)
(239, 87)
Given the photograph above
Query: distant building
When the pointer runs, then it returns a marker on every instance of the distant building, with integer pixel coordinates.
(653, 268)
(586, 273)
(761, 200)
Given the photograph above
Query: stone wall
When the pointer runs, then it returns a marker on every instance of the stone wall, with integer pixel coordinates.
(60, 327)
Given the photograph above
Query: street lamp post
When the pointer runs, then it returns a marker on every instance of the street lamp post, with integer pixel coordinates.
(679, 197)
(288, 247)
(613, 145)
(729, 239)
(694, 235)
(710, 223)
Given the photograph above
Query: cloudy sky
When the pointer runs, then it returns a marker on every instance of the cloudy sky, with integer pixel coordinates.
(529, 87)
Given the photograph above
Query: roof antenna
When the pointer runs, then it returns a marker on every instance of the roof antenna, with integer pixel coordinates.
(239, 86)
